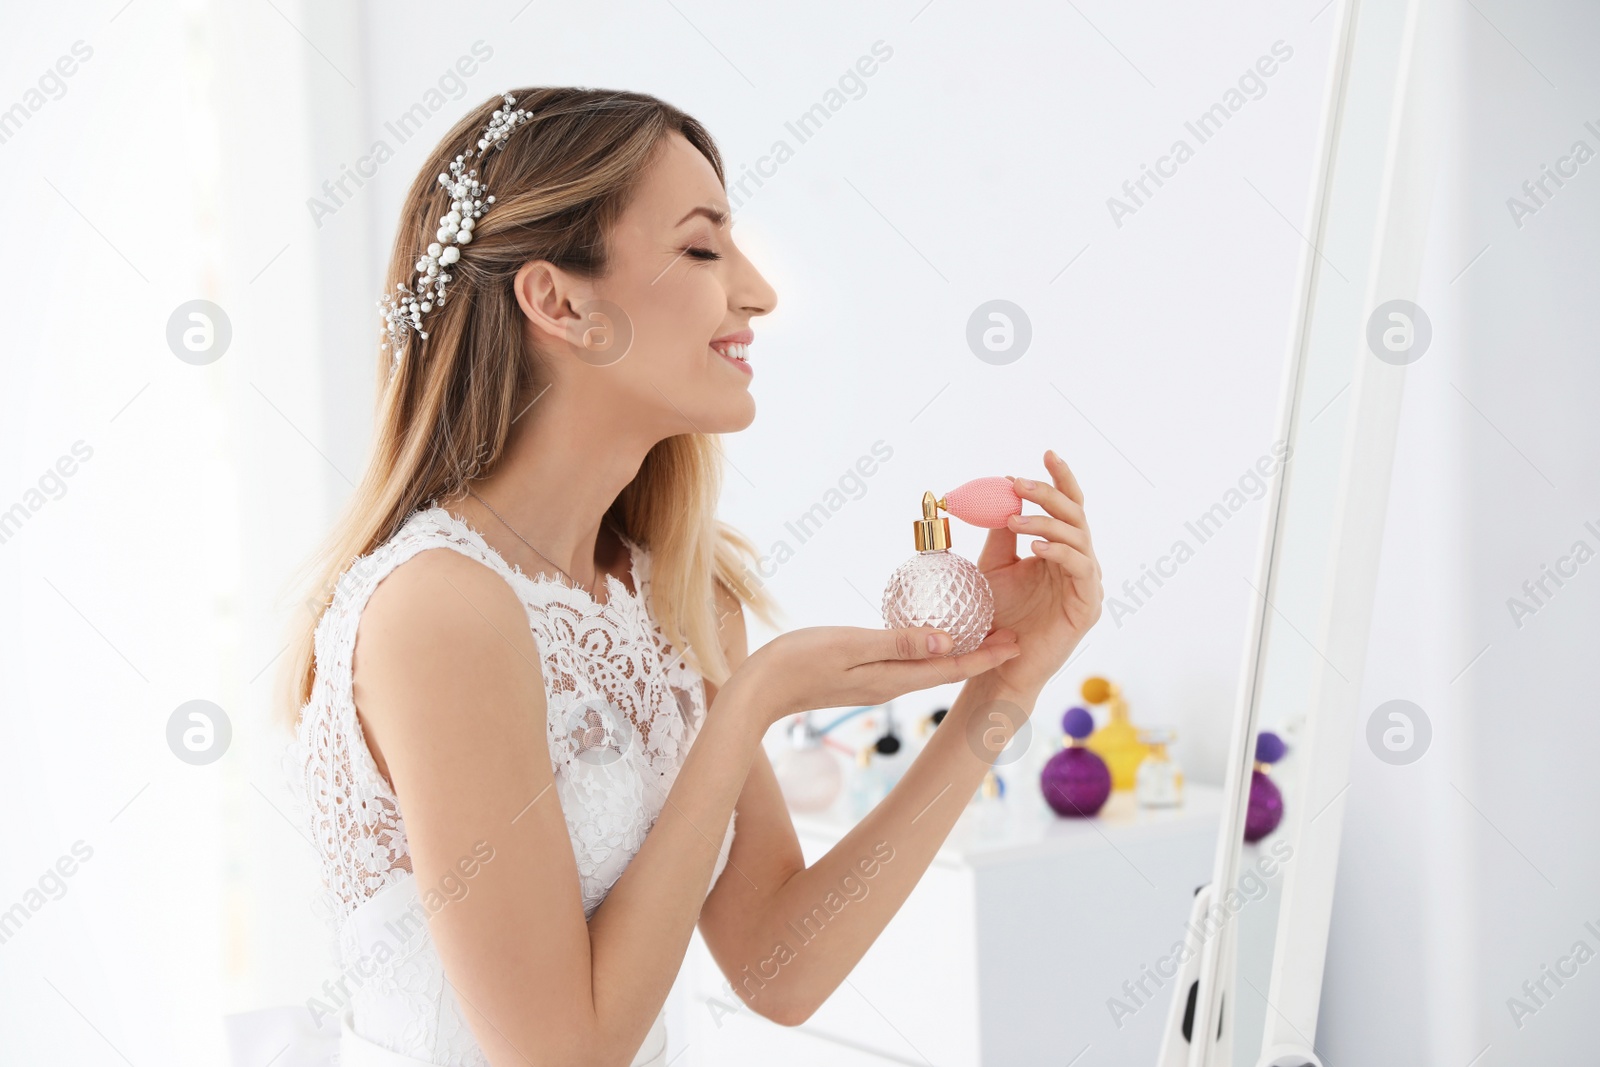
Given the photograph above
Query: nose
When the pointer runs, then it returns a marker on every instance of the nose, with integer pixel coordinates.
(750, 293)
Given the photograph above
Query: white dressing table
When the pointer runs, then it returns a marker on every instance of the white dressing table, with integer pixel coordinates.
(1007, 952)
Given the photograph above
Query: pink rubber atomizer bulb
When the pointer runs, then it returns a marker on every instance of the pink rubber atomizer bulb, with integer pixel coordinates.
(936, 587)
(983, 502)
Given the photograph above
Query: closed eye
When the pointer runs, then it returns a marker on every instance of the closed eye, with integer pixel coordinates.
(702, 253)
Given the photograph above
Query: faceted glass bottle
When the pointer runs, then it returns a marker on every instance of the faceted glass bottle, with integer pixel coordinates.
(936, 587)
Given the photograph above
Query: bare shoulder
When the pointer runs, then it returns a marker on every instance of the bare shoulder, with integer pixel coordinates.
(445, 660)
(434, 598)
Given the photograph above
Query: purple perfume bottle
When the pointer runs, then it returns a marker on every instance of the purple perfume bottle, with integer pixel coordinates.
(1075, 781)
(1266, 801)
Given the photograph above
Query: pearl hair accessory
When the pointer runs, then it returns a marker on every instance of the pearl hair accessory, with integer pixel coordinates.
(403, 309)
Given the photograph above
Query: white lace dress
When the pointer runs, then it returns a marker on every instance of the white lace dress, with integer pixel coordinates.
(623, 711)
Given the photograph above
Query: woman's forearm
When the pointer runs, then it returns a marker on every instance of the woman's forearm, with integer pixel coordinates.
(830, 913)
(640, 934)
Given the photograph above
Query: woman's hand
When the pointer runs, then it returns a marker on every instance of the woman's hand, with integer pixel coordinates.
(1050, 599)
(848, 666)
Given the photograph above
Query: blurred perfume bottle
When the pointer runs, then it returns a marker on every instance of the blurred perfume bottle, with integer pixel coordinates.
(890, 753)
(808, 774)
(1117, 742)
(1159, 782)
(1265, 810)
(1075, 781)
(867, 786)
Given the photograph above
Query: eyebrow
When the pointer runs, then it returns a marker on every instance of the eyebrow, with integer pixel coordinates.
(717, 218)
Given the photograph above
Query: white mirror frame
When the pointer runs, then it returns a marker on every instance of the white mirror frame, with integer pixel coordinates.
(1314, 826)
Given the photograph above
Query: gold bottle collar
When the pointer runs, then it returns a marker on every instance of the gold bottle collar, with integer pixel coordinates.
(932, 530)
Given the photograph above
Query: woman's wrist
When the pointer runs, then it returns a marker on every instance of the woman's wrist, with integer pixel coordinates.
(736, 711)
(988, 689)
(990, 713)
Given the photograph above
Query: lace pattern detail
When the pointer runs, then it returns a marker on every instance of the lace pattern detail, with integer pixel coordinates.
(622, 711)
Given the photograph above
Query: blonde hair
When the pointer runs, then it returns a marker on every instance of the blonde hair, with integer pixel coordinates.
(445, 416)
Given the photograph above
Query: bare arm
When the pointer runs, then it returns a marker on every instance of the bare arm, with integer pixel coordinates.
(828, 915)
(1049, 601)
(452, 700)
(450, 693)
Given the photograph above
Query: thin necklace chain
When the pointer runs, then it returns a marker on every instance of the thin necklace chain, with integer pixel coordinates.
(541, 555)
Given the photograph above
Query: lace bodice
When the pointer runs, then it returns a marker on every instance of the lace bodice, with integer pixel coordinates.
(623, 709)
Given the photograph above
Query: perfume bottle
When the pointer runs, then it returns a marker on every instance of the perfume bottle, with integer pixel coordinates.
(1159, 782)
(808, 774)
(936, 587)
(1075, 782)
(890, 756)
(985, 813)
(1117, 742)
(1266, 801)
(867, 786)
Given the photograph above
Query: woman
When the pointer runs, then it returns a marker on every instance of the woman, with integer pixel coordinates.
(528, 719)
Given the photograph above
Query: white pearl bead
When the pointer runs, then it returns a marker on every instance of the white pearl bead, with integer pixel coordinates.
(433, 249)
(449, 256)
(443, 234)
(463, 237)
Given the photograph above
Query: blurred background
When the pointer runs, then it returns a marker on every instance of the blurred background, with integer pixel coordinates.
(155, 505)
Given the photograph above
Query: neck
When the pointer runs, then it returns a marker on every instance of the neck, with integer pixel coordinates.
(562, 470)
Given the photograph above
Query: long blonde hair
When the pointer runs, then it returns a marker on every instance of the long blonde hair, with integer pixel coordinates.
(446, 413)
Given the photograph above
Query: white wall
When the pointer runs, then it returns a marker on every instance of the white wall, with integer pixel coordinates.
(1464, 873)
(975, 165)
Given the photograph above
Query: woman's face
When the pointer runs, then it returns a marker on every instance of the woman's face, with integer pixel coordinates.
(686, 293)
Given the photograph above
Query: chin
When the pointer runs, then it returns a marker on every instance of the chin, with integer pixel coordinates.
(734, 417)
(710, 404)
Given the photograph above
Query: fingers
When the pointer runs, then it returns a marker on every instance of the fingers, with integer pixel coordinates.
(1065, 480)
(998, 647)
(1052, 529)
(906, 675)
(1064, 499)
(1075, 562)
(999, 549)
(911, 642)
(1053, 500)
(944, 670)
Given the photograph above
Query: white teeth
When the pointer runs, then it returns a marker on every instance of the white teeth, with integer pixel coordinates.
(739, 352)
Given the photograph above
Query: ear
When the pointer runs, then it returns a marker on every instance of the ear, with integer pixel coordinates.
(550, 298)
